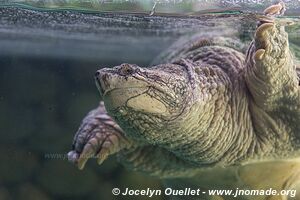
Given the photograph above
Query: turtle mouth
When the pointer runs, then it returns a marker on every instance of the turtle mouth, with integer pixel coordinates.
(98, 85)
(108, 82)
(102, 83)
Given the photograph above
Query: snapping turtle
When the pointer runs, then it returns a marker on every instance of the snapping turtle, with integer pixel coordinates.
(208, 111)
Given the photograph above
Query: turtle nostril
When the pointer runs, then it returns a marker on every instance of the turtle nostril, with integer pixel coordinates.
(97, 73)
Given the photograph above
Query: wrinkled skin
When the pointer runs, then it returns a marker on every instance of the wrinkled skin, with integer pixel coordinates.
(208, 109)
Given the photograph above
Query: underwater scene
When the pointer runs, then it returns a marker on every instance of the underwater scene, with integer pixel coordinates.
(118, 99)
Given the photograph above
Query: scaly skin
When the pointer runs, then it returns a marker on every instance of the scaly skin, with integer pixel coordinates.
(209, 109)
(97, 136)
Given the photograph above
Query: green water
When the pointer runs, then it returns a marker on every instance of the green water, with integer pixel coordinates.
(48, 59)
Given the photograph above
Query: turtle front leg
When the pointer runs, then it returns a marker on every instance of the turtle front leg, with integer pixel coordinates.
(271, 73)
(98, 136)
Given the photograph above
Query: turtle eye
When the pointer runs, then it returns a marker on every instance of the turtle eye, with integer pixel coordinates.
(126, 69)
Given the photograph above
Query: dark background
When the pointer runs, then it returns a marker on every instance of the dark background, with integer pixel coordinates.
(42, 102)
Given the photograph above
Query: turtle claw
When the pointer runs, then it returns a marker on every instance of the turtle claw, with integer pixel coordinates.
(262, 30)
(98, 136)
(259, 54)
(110, 146)
(275, 10)
(270, 43)
(87, 153)
(102, 155)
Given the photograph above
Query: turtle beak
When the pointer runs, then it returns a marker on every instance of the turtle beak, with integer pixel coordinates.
(98, 83)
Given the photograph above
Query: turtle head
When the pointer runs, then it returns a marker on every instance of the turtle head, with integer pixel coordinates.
(144, 98)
